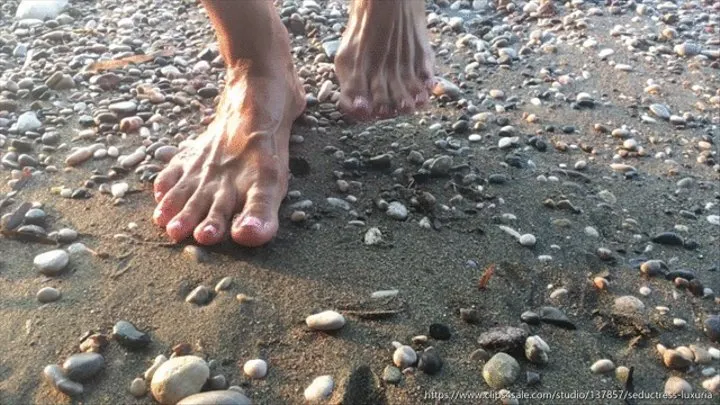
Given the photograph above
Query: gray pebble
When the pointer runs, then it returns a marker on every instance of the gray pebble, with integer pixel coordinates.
(224, 397)
(392, 374)
(138, 387)
(51, 263)
(501, 371)
(200, 295)
(83, 366)
(48, 294)
(396, 210)
(55, 376)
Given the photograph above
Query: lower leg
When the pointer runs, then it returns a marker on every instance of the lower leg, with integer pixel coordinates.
(240, 165)
(385, 63)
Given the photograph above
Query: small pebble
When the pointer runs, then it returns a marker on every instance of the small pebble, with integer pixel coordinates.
(404, 356)
(48, 294)
(501, 371)
(51, 263)
(677, 386)
(201, 295)
(602, 366)
(138, 387)
(255, 369)
(319, 389)
(178, 378)
(325, 321)
(223, 284)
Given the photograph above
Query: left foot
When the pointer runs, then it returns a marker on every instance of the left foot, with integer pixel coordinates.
(384, 64)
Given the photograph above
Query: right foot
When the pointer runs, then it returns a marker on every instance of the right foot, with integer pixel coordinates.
(384, 64)
(237, 172)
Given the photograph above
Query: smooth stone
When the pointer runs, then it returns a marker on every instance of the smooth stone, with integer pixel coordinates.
(138, 387)
(396, 210)
(48, 294)
(222, 397)
(503, 338)
(196, 253)
(319, 389)
(28, 122)
(82, 366)
(179, 378)
(118, 190)
(159, 360)
(404, 356)
(200, 295)
(501, 371)
(675, 360)
(711, 327)
(712, 384)
(677, 386)
(123, 107)
(67, 235)
(325, 321)
(128, 336)
(51, 263)
(668, 238)
(536, 350)
(602, 366)
(55, 376)
(430, 362)
(255, 368)
(653, 267)
(531, 318)
(223, 284)
(392, 374)
(527, 240)
(373, 236)
(165, 153)
(444, 87)
(554, 316)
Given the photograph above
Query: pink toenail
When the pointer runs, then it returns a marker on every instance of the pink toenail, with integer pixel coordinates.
(211, 230)
(174, 225)
(251, 222)
(158, 196)
(157, 213)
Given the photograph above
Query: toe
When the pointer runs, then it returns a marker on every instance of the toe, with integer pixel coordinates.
(166, 180)
(212, 230)
(258, 223)
(357, 107)
(172, 203)
(196, 208)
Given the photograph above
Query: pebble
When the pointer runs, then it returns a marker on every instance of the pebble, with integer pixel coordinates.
(51, 263)
(319, 389)
(373, 236)
(677, 386)
(675, 360)
(67, 235)
(527, 240)
(28, 122)
(48, 294)
(201, 295)
(255, 369)
(325, 321)
(503, 338)
(602, 366)
(223, 284)
(138, 387)
(118, 190)
(628, 305)
(165, 153)
(556, 317)
(711, 327)
(55, 376)
(668, 238)
(531, 318)
(430, 361)
(179, 378)
(220, 397)
(128, 336)
(404, 356)
(196, 253)
(391, 374)
(40, 10)
(439, 331)
(536, 350)
(83, 366)
(157, 362)
(446, 88)
(397, 210)
(501, 371)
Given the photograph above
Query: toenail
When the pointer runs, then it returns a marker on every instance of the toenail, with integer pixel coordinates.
(157, 213)
(211, 230)
(158, 195)
(251, 222)
(174, 225)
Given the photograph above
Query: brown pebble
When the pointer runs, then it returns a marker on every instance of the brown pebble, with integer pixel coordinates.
(182, 349)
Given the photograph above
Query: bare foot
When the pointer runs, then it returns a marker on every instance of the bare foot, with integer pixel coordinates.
(240, 165)
(384, 64)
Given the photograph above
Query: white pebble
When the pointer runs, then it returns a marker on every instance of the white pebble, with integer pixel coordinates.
(384, 294)
(404, 356)
(602, 366)
(255, 369)
(644, 290)
(51, 263)
(138, 387)
(320, 389)
(679, 322)
(527, 240)
(118, 190)
(326, 320)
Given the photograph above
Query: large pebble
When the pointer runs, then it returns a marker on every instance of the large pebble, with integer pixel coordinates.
(536, 350)
(255, 369)
(40, 9)
(326, 320)
(503, 338)
(319, 389)
(55, 376)
(628, 304)
(397, 210)
(28, 122)
(711, 327)
(138, 387)
(83, 366)
(712, 384)
(200, 295)
(179, 378)
(51, 263)
(501, 371)
(677, 386)
(223, 397)
(404, 356)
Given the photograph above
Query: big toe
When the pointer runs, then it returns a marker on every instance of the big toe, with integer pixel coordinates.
(258, 223)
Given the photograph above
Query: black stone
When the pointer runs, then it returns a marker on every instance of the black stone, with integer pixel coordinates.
(440, 331)
(531, 318)
(430, 362)
(696, 287)
(686, 274)
(383, 161)
(460, 126)
(497, 179)
(554, 316)
(83, 366)
(532, 378)
(568, 129)
(691, 245)
(128, 336)
(668, 238)
(80, 194)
